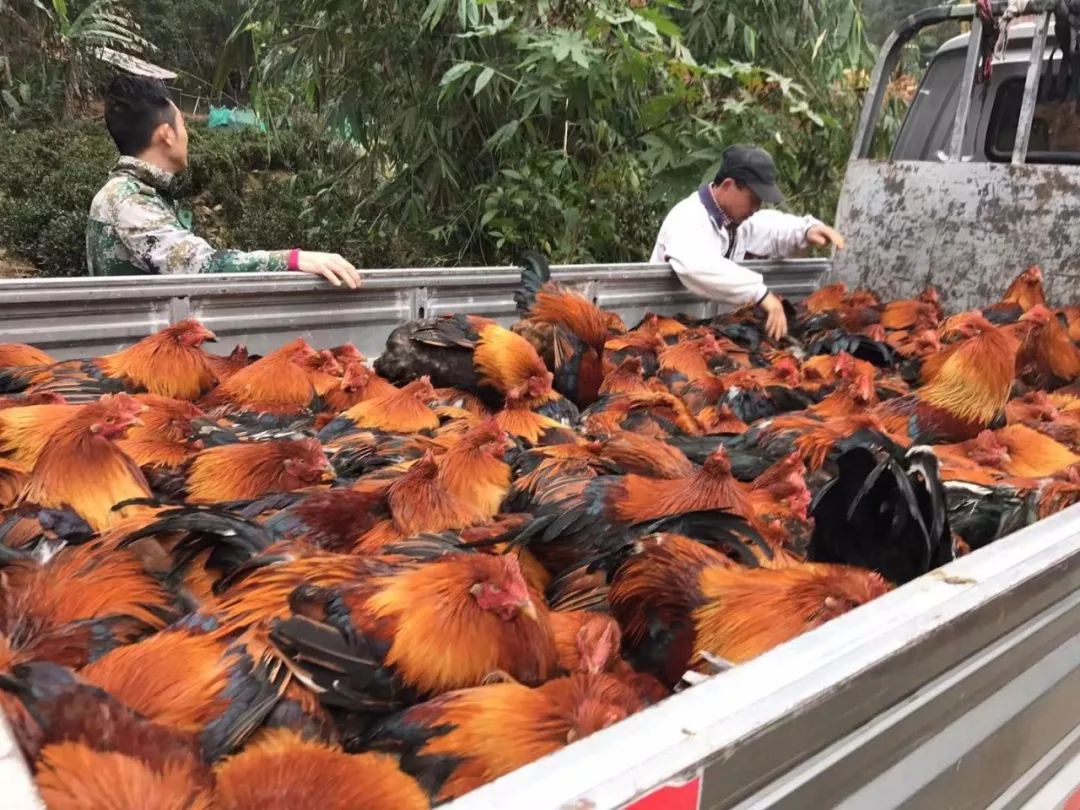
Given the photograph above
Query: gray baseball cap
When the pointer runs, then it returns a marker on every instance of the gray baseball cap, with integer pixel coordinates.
(755, 168)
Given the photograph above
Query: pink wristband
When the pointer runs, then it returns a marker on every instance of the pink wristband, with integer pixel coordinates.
(294, 259)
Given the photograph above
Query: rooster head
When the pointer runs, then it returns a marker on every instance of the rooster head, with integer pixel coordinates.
(189, 333)
(112, 415)
(306, 462)
(500, 587)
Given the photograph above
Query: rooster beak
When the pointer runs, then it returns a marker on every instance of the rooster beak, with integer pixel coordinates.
(528, 609)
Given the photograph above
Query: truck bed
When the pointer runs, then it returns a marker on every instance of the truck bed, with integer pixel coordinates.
(959, 690)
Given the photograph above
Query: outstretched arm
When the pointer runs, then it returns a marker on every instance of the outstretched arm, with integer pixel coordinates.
(151, 232)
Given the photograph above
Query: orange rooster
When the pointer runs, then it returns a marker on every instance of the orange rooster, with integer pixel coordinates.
(278, 384)
(965, 396)
(675, 599)
(475, 355)
(225, 697)
(1049, 359)
(82, 469)
(367, 646)
(588, 514)
(570, 331)
(1025, 292)
(462, 740)
(248, 470)
(284, 771)
(171, 363)
(164, 439)
(225, 367)
(403, 410)
(89, 750)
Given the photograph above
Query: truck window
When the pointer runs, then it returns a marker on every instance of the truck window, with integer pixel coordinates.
(1055, 132)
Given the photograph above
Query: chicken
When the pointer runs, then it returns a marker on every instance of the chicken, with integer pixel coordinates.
(226, 694)
(966, 395)
(476, 355)
(583, 517)
(244, 471)
(225, 367)
(884, 511)
(569, 331)
(278, 384)
(81, 468)
(164, 441)
(1025, 292)
(675, 598)
(90, 750)
(465, 739)
(367, 646)
(283, 771)
(171, 363)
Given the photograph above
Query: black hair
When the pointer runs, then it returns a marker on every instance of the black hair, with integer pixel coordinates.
(721, 176)
(135, 106)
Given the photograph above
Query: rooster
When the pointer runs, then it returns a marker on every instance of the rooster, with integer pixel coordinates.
(89, 750)
(171, 363)
(476, 355)
(225, 367)
(404, 410)
(226, 696)
(584, 516)
(81, 468)
(278, 384)
(967, 394)
(566, 329)
(675, 598)
(248, 470)
(284, 771)
(367, 646)
(884, 511)
(1025, 292)
(462, 740)
(163, 442)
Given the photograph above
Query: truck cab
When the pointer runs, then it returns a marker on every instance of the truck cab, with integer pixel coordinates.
(991, 131)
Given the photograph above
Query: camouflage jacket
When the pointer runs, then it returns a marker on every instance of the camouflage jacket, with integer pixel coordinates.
(135, 228)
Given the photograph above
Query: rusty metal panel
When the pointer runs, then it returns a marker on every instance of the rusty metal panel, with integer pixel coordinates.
(966, 227)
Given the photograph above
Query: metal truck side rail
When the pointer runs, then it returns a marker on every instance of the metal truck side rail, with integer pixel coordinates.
(957, 690)
(80, 317)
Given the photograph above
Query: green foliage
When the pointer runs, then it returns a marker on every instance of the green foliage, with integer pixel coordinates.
(511, 125)
(53, 43)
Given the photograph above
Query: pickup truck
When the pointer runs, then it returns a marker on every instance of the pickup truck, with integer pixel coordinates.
(958, 690)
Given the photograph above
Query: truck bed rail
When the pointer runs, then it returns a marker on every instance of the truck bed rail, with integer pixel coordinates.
(81, 317)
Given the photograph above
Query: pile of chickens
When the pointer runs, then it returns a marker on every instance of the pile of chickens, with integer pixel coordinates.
(300, 580)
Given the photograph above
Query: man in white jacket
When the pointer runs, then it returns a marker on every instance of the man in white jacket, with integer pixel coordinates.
(706, 235)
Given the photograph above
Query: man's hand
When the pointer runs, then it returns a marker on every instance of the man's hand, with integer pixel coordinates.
(775, 319)
(331, 267)
(823, 235)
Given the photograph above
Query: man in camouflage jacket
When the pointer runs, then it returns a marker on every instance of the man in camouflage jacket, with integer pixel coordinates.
(135, 226)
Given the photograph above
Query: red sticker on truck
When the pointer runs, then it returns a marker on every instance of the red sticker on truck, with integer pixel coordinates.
(673, 796)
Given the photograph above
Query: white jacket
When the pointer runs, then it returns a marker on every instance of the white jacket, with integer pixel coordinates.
(696, 244)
